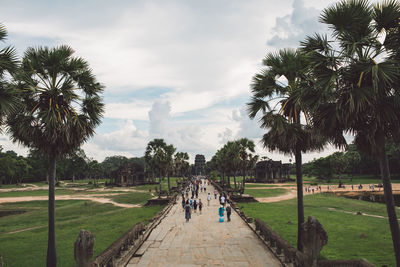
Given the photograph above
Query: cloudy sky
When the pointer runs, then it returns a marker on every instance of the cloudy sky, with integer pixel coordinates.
(178, 70)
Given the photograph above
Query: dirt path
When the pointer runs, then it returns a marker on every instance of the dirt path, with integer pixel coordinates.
(324, 189)
(69, 197)
(290, 195)
(362, 214)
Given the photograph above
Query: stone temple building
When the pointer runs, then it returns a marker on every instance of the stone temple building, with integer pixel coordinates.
(199, 163)
(130, 174)
(269, 171)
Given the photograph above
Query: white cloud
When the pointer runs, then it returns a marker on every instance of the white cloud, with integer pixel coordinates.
(290, 29)
(135, 110)
(159, 116)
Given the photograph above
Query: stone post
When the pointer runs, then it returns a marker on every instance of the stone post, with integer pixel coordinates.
(83, 250)
(314, 238)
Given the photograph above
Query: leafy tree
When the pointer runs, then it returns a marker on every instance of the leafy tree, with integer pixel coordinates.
(338, 163)
(357, 87)
(353, 159)
(61, 108)
(7, 168)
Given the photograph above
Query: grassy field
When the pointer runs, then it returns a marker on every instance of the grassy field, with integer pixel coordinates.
(266, 192)
(132, 198)
(349, 236)
(105, 221)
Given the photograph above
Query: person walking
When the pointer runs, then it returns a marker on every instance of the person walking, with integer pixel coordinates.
(200, 205)
(187, 211)
(228, 213)
(215, 194)
(195, 206)
(183, 203)
(208, 199)
(222, 199)
(221, 213)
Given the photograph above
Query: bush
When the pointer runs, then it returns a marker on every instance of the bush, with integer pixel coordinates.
(214, 175)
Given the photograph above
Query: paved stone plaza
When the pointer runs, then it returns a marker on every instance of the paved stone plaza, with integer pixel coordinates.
(203, 241)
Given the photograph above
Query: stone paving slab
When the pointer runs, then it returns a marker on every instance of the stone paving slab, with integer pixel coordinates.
(203, 241)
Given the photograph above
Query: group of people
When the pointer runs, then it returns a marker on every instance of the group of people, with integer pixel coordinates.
(309, 189)
(191, 204)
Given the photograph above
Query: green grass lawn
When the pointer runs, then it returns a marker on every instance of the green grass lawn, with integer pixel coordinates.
(28, 248)
(266, 192)
(132, 198)
(344, 230)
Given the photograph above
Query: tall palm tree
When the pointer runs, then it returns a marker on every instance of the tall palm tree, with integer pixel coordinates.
(281, 82)
(358, 82)
(159, 156)
(232, 159)
(180, 160)
(169, 162)
(8, 65)
(154, 155)
(246, 147)
(61, 106)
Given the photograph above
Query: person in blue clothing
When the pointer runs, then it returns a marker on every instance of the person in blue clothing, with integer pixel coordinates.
(221, 213)
(187, 211)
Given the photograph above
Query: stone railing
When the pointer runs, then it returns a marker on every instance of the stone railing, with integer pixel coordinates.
(283, 249)
(121, 251)
(110, 256)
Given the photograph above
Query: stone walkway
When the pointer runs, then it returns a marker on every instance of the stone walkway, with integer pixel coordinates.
(203, 241)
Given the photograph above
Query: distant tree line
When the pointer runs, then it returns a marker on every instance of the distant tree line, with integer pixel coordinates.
(34, 167)
(352, 162)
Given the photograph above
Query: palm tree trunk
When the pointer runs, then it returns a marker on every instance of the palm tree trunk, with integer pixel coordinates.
(169, 185)
(244, 179)
(160, 184)
(300, 207)
(234, 179)
(51, 243)
(387, 186)
(229, 181)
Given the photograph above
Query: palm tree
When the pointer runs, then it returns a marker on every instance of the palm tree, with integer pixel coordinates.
(8, 65)
(232, 159)
(252, 164)
(246, 146)
(159, 157)
(154, 155)
(169, 162)
(61, 107)
(286, 133)
(358, 82)
(180, 160)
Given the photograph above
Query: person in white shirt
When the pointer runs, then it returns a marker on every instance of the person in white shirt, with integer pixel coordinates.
(208, 199)
(222, 200)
